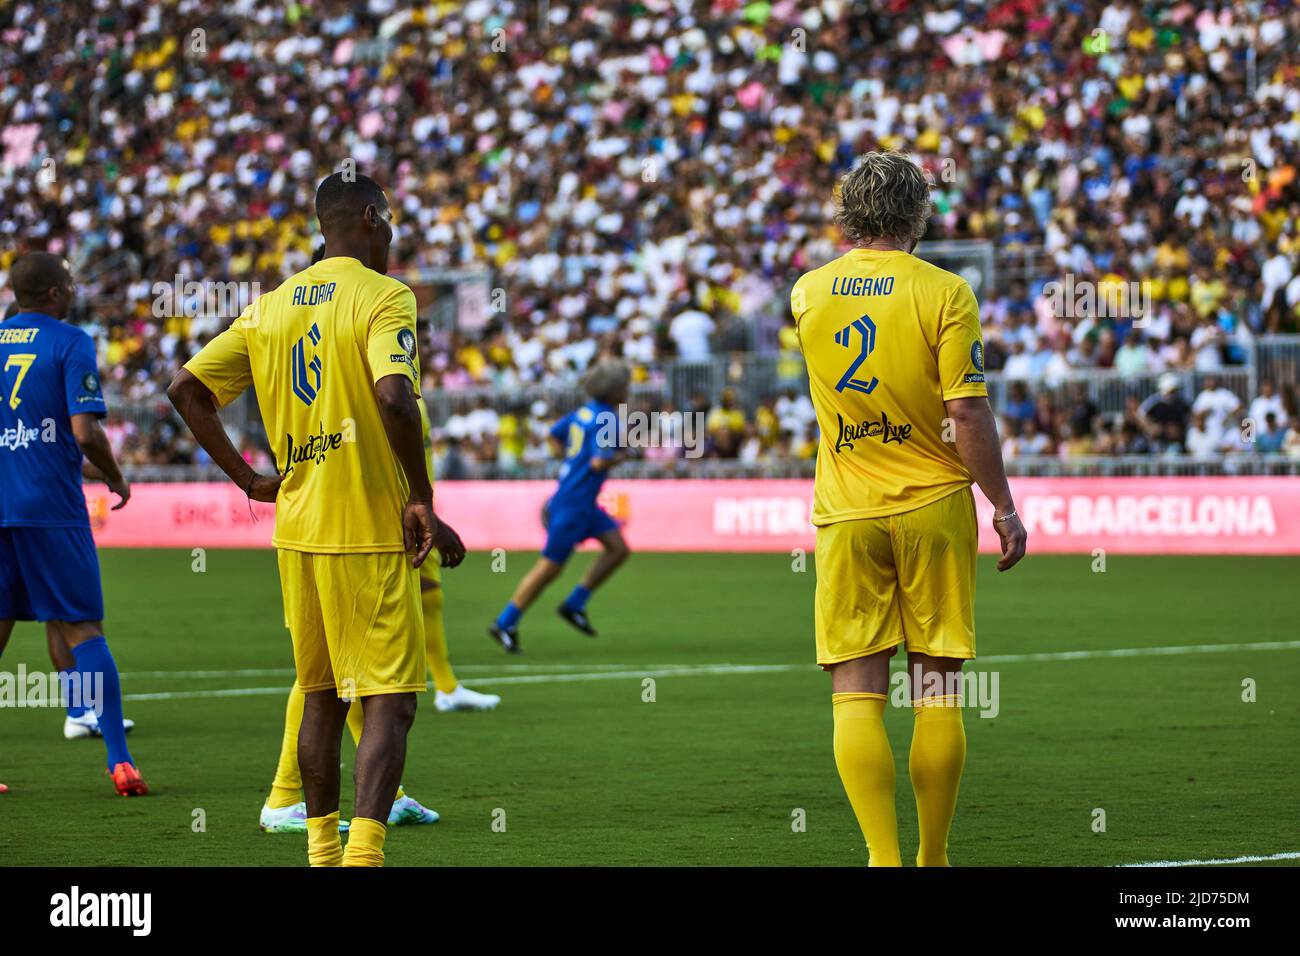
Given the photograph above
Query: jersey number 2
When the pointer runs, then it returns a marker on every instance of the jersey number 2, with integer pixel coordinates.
(866, 331)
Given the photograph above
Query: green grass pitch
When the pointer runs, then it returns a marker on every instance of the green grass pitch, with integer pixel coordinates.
(718, 767)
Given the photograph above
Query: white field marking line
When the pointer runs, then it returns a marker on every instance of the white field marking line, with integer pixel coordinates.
(699, 670)
(1138, 652)
(638, 674)
(600, 671)
(288, 671)
(1234, 860)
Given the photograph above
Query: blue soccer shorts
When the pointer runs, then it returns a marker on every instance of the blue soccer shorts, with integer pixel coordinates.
(49, 574)
(566, 528)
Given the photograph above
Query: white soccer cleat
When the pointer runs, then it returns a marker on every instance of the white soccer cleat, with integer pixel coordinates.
(407, 810)
(462, 698)
(87, 725)
(290, 819)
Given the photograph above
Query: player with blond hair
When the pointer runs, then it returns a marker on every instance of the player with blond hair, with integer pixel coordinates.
(896, 372)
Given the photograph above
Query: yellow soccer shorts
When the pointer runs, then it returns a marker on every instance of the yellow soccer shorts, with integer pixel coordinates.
(356, 622)
(431, 570)
(906, 579)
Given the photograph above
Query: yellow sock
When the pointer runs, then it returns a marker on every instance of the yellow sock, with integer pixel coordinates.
(866, 766)
(365, 843)
(286, 790)
(435, 642)
(324, 848)
(938, 755)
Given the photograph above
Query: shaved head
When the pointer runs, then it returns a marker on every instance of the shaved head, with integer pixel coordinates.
(355, 219)
(42, 282)
(339, 199)
(34, 274)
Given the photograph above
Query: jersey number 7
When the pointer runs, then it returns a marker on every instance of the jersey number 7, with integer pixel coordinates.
(866, 330)
(23, 362)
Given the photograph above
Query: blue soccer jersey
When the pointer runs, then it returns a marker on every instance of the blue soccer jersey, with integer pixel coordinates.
(589, 432)
(572, 515)
(48, 374)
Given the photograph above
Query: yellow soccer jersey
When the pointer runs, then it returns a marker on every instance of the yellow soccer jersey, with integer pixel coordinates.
(313, 349)
(887, 338)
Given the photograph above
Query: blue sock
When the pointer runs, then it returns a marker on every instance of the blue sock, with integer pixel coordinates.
(510, 616)
(75, 704)
(577, 600)
(96, 666)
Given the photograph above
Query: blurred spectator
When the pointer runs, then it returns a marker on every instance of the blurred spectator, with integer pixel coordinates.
(1267, 402)
(1203, 439)
(1270, 437)
(690, 332)
(726, 426)
(1166, 412)
(1221, 404)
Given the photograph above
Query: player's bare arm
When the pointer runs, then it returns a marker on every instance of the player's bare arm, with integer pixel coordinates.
(422, 529)
(977, 445)
(93, 443)
(198, 407)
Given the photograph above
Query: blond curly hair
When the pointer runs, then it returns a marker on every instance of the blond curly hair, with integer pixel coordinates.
(884, 196)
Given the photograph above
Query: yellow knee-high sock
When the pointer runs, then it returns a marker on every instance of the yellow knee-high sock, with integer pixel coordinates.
(866, 766)
(324, 848)
(435, 642)
(286, 790)
(938, 755)
(365, 843)
(356, 724)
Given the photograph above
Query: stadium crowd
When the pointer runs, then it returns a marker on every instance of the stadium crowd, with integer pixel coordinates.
(647, 180)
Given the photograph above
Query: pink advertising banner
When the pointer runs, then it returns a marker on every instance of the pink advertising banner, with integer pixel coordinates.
(1063, 515)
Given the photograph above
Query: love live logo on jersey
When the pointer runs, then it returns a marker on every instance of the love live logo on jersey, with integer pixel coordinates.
(306, 375)
(866, 333)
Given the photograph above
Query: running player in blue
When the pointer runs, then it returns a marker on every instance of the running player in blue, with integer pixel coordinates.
(50, 406)
(589, 438)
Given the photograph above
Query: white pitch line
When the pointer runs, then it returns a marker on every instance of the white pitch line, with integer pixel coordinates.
(575, 672)
(699, 670)
(1229, 862)
(194, 675)
(288, 671)
(638, 674)
(1138, 652)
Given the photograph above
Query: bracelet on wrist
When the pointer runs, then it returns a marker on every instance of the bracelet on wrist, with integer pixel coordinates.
(1010, 514)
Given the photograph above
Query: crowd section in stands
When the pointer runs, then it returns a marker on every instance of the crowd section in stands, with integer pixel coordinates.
(643, 179)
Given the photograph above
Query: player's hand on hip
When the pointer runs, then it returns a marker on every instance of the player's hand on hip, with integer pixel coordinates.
(265, 487)
(1013, 536)
(123, 491)
(418, 522)
(449, 544)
